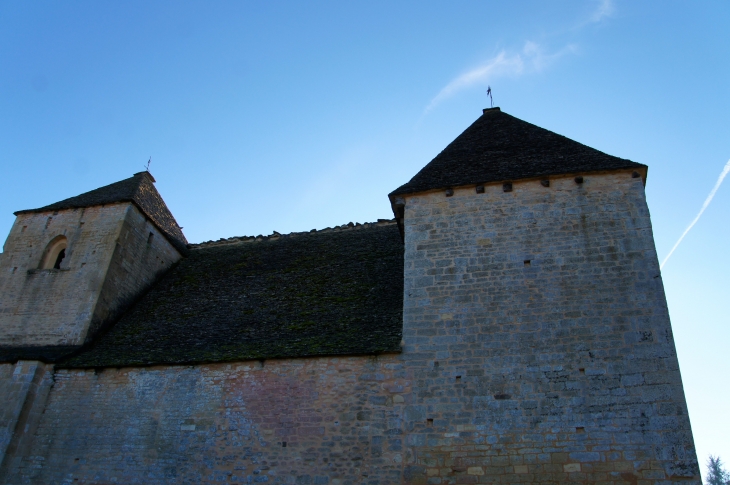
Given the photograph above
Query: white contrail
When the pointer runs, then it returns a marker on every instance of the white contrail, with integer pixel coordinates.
(704, 206)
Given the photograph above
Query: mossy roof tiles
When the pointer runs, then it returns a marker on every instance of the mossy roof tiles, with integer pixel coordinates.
(499, 147)
(138, 189)
(332, 292)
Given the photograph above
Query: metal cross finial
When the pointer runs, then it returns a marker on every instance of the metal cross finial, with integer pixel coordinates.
(489, 92)
(148, 164)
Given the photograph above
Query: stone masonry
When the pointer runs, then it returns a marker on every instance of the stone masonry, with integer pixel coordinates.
(111, 257)
(24, 387)
(536, 342)
(538, 336)
(310, 421)
(537, 350)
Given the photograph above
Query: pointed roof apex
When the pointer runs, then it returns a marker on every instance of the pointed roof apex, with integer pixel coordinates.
(138, 189)
(499, 147)
(146, 173)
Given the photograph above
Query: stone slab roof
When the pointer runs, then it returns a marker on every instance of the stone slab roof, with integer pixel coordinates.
(330, 292)
(499, 147)
(138, 189)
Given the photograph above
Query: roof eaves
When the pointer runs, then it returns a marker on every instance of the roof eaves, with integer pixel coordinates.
(407, 189)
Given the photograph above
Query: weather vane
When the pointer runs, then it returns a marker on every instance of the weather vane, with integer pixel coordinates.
(147, 167)
(489, 92)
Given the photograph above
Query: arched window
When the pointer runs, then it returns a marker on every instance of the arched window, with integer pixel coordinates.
(54, 253)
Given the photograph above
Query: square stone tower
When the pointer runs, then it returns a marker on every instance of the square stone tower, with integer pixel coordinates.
(535, 316)
(69, 268)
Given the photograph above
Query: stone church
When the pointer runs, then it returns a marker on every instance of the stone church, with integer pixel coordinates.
(509, 325)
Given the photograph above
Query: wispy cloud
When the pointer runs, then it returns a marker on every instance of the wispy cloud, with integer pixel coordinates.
(704, 206)
(605, 9)
(532, 58)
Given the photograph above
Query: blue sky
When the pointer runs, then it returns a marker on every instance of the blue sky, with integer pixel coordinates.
(291, 116)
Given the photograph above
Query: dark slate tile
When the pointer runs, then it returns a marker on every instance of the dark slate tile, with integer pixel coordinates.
(499, 147)
(337, 292)
(138, 189)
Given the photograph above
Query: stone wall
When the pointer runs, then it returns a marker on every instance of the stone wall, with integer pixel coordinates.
(54, 307)
(24, 387)
(538, 336)
(141, 255)
(107, 256)
(537, 349)
(307, 421)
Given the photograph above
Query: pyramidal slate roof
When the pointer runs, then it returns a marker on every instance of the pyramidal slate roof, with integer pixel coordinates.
(329, 292)
(499, 147)
(138, 189)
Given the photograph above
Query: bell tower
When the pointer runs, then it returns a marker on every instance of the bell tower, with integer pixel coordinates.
(69, 268)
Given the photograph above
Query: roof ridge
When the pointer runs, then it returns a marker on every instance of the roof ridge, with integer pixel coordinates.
(350, 226)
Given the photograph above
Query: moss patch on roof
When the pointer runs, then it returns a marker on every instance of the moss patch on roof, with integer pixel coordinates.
(333, 292)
